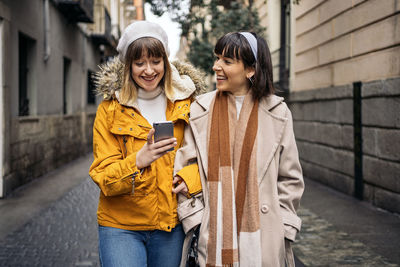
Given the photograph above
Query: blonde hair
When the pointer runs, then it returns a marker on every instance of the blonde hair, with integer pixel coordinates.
(154, 48)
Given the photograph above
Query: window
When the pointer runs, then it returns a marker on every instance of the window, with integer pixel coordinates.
(26, 75)
(67, 66)
(91, 96)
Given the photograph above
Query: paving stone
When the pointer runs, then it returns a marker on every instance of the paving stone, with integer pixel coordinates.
(63, 235)
(320, 243)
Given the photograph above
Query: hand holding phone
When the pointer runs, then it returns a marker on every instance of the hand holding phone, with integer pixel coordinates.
(163, 130)
(151, 151)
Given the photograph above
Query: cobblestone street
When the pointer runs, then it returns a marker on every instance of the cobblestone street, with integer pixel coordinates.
(339, 230)
(64, 233)
(321, 244)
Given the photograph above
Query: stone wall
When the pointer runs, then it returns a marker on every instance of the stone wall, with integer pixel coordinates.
(58, 126)
(381, 143)
(325, 133)
(338, 42)
(43, 143)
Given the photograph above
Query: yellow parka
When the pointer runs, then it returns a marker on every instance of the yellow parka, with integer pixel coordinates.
(131, 199)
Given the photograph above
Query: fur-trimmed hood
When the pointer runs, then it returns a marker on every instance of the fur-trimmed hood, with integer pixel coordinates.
(186, 80)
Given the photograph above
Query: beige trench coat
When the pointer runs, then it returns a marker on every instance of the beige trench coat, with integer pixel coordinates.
(279, 172)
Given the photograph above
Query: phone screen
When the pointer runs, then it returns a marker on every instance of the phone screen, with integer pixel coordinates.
(163, 130)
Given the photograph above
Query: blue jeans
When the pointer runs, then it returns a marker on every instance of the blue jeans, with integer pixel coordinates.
(128, 248)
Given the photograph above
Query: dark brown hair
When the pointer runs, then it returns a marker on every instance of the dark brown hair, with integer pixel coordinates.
(234, 45)
(153, 48)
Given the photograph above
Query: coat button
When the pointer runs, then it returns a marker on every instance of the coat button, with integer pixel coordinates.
(122, 110)
(264, 209)
(133, 114)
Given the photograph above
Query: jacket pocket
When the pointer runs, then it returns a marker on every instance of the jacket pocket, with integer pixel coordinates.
(145, 184)
(119, 187)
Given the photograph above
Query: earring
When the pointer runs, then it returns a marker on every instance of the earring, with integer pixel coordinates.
(251, 79)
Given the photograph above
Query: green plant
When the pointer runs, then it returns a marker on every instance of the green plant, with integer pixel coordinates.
(234, 16)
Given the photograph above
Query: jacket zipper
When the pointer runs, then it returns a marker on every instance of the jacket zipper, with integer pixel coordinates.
(125, 154)
(125, 150)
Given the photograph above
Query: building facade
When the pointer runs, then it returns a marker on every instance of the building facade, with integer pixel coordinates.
(343, 62)
(49, 50)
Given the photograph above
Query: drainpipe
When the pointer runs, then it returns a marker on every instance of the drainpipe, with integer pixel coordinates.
(283, 55)
(46, 18)
(358, 141)
(1, 112)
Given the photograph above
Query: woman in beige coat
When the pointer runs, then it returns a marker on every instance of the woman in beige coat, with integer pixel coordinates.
(241, 137)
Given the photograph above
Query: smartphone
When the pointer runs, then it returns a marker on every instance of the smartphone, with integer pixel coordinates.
(164, 130)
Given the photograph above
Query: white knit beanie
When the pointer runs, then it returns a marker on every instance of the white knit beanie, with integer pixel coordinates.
(139, 29)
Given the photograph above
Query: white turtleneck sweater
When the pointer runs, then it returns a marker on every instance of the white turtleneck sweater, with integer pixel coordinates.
(239, 104)
(152, 105)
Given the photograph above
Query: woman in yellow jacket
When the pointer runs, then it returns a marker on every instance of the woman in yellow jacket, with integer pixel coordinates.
(137, 217)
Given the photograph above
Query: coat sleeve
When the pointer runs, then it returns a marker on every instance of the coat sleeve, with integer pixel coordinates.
(191, 206)
(186, 163)
(109, 170)
(290, 181)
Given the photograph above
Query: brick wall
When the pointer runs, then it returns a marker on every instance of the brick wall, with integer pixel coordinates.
(324, 129)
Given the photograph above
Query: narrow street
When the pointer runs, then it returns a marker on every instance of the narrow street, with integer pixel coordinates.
(62, 235)
(337, 230)
(61, 232)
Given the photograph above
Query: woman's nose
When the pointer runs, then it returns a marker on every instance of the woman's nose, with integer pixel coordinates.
(149, 69)
(216, 66)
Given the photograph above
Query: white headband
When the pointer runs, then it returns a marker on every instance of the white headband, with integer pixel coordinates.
(252, 42)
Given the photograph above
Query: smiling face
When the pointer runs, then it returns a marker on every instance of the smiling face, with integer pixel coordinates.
(147, 71)
(232, 76)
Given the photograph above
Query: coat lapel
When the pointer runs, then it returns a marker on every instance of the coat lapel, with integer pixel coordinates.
(270, 131)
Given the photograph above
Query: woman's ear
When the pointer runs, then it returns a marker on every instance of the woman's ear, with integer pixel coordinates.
(250, 72)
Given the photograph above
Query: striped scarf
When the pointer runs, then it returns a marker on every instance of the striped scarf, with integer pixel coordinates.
(234, 227)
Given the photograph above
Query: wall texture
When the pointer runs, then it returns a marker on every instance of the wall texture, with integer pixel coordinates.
(325, 132)
(41, 144)
(323, 124)
(345, 96)
(381, 143)
(46, 138)
(338, 42)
